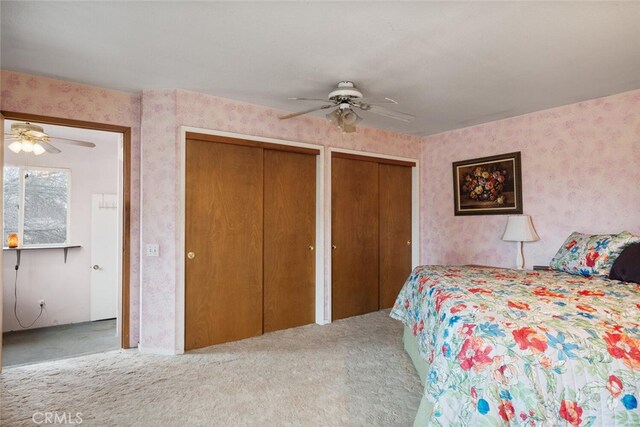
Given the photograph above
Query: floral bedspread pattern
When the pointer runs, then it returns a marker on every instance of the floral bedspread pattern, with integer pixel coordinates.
(510, 347)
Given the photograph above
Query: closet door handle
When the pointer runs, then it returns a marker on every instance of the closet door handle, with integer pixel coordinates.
(408, 242)
(191, 255)
(311, 247)
(333, 246)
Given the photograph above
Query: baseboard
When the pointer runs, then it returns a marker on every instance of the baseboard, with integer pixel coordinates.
(158, 351)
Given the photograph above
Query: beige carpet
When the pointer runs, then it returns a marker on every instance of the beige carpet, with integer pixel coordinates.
(351, 372)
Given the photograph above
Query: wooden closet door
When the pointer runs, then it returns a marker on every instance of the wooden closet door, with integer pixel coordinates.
(395, 231)
(289, 239)
(354, 223)
(224, 231)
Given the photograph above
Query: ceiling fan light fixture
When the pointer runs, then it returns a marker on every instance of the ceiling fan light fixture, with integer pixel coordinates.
(348, 128)
(334, 117)
(38, 149)
(349, 117)
(16, 147)
(27, 146)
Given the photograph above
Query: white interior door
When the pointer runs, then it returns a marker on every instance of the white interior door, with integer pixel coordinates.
(104, 256)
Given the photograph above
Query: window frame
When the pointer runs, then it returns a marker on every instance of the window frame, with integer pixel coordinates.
(22, 169)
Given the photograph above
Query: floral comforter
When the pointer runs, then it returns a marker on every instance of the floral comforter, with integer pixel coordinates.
(525, 347)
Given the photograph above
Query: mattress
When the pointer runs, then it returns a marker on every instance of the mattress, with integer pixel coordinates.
(522, 347)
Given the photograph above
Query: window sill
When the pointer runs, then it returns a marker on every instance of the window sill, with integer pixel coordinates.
(39, 247)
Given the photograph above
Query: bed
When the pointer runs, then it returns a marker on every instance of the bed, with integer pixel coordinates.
(499, 346)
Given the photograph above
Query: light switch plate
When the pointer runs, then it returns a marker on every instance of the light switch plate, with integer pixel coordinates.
(153, 249)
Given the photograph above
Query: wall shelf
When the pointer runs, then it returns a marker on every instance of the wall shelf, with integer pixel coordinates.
(19, 249)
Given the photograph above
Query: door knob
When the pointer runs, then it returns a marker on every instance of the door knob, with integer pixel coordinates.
(333, 246)
(191, 255)
(96, 267)
(311, 247)
(408, 242)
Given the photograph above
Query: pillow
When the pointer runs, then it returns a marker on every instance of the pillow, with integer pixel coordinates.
(591, 255)
(627, 266)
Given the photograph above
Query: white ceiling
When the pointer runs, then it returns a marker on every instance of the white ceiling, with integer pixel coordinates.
(450, 64)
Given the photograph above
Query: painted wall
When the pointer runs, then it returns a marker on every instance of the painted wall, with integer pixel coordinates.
(26, 93)
(163, 112)
(579, 170)
(43, 273)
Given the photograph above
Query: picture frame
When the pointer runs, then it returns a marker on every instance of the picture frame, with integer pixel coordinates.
(488, 185)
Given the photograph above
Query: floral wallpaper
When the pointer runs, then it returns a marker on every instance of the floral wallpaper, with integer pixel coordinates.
(25, 93)
(163, 112)
(160, 204)
(578, 165)
(579, 170)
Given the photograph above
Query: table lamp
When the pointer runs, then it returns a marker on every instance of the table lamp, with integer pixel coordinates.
(520, 229)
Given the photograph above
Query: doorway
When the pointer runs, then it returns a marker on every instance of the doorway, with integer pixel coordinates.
(89, 248)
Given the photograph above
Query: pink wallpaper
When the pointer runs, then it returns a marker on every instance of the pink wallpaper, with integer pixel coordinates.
(163, 113)
(160, 207)
(26, 93)
(199, 110)
(579, 169)
(578, 162)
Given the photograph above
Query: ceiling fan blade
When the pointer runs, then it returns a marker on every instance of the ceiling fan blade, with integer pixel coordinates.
(311, 110)
(49, 148)
(379, 101)
(309, 99)
(387, 113)
(72, 142)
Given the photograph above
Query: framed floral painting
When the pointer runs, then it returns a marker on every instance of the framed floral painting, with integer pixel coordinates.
(488, 185)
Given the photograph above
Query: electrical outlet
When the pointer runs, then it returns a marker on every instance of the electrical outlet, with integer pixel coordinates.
(41, 303)
(153, 249)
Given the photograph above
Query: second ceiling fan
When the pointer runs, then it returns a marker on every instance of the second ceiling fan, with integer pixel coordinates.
(30, 138)
(347, 98)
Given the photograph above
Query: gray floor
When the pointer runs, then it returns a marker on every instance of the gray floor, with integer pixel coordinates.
(352, 372)
(58, 342)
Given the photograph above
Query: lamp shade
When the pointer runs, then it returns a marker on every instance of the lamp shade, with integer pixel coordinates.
(520, 229)
(15, 146)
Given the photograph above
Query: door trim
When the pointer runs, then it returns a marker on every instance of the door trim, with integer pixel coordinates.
(252, 143)
(383, 160)
(414, 163)
(180, 249)
(125, 314)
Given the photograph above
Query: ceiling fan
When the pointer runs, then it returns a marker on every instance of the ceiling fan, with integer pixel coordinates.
(32, 138)
(348, 98)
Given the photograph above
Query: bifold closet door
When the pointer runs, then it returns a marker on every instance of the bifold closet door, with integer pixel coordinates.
(289, 239)
(395, 230)
(354, 224)
(224, 243)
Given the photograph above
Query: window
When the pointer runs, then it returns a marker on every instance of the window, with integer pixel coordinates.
(36, 204)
